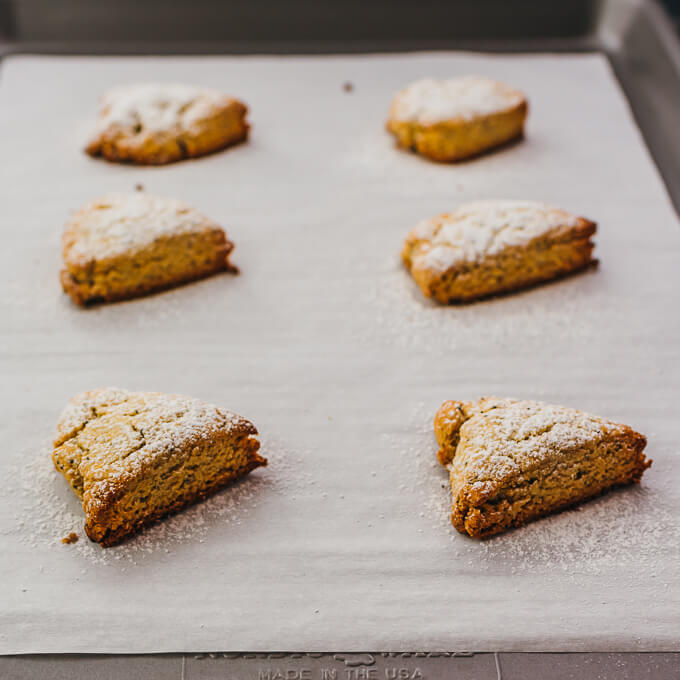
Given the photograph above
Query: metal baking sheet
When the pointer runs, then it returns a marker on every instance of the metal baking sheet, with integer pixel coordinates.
(323, 341)
(348, 666)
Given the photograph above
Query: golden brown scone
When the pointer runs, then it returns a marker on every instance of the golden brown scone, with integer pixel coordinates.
(514, 461)
(450, 120)
(127, 245)
(134, 457)
(153, 124)
(489, 247)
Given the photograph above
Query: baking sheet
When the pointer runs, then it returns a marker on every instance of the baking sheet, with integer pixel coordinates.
(343, 542)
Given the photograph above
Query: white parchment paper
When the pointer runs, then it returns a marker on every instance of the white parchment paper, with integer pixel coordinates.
(323, 341)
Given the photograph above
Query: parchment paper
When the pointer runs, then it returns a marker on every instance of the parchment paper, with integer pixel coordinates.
(323, 341)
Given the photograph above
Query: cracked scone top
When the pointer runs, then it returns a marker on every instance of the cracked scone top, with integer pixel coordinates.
(504, 438)
(132, 457)
(431, 100)
(125, 223)
(130, 431)
(156, 123)
(482, 228)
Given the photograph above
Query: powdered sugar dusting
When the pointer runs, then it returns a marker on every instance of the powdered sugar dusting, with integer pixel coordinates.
(481, 228)
(156, 107)
(505, 437)
(125, 223)
(432, 100)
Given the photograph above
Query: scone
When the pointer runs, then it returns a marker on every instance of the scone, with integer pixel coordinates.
(450, 120)
(153, 124)
(126, 245)
(513, 461)
(489, 247)
(134, 457)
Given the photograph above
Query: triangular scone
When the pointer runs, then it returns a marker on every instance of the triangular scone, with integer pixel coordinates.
(158, 123)
(133, 457)
(513, 461)
(449, 120)
(489, 247)
(126, 245)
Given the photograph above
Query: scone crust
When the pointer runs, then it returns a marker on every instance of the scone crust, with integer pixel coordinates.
(492, 247)
(155, 124)
(498, 449)
(109, 441)
(452, 120)
(123, 246)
